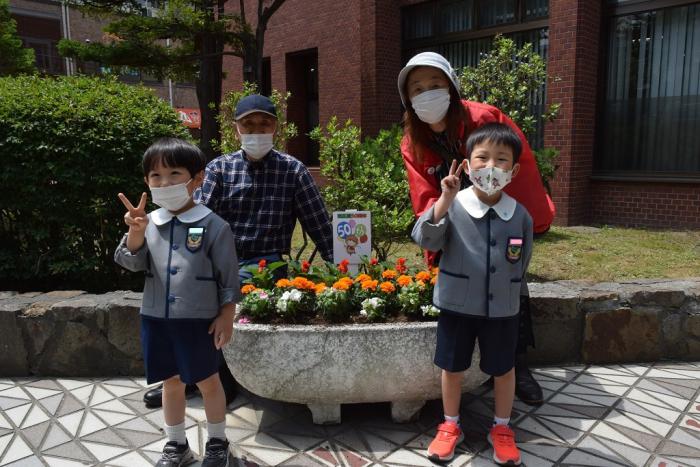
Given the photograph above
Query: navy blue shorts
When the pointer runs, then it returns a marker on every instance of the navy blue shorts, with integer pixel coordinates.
(178, 347)
(456, 335)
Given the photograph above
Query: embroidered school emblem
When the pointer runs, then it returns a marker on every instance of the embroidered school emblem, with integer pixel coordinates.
(514, 249)
(195, 235)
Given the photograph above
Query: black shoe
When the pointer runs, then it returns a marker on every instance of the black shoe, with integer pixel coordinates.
(175, 455)
(527, 388)
(154, 397)
(216, 453)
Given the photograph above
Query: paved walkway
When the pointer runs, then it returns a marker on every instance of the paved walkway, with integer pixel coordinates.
(633, 415)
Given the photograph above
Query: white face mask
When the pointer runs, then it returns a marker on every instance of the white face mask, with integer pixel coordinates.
(490, 180)
(431, 106)
(172, 197)
(256, 146)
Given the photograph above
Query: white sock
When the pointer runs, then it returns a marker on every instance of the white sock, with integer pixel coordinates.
(176, 433)
(501, 421)
(454, 420)
(216, 430)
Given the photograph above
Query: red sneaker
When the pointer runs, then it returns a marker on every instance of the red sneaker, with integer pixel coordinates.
(505, 452)
(448, 436)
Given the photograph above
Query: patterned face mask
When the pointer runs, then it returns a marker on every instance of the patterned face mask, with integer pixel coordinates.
(490, 180)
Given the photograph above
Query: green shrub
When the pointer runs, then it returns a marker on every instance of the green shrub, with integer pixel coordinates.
(68, 146)
(367, 175)
(229, 134)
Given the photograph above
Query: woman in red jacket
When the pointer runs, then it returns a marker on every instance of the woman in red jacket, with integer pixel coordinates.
(437, 123)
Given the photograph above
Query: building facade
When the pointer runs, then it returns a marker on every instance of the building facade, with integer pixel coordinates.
(626, 73)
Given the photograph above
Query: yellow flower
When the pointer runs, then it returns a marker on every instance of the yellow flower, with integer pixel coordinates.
(423, 276)
(403, 281)
(390, 274)
(362, 277)
(283, 283)
(370, 285)
(248, 288)
(387, 287)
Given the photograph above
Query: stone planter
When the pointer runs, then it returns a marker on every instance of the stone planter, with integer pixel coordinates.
(326, 366)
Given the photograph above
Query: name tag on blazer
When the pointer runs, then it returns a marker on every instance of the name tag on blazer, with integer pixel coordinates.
(514, 250)
(195, 237)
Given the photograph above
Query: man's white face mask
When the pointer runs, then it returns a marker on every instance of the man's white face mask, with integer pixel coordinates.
(256, 146)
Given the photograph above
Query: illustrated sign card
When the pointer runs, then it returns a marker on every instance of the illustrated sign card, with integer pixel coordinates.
(352, 236)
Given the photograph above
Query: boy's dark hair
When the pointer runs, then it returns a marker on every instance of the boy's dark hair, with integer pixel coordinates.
(497, 133)
(174, 152)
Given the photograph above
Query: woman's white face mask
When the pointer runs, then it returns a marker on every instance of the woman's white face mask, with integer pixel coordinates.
(431, 106)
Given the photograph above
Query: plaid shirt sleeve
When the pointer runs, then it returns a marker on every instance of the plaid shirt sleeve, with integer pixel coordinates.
(211, 187)
(313, 215)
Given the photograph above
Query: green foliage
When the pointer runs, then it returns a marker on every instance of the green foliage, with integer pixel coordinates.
(69, 145)
(229, 136)
(367, 175)
(506, 77)
(14, 58)
(546, 162)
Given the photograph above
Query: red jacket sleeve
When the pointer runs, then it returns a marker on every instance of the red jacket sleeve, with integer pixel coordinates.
(422, 185)
(527, 187)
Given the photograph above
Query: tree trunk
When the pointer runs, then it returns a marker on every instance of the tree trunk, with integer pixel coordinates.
(208, 86)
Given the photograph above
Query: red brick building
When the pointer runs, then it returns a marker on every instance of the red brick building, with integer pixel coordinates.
(627, 73)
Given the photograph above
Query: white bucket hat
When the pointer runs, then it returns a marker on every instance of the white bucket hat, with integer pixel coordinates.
(426, 59)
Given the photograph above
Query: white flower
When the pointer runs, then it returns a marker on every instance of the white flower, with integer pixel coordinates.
(371, 305)
(430, 310)
(363, 312)
(295, 295)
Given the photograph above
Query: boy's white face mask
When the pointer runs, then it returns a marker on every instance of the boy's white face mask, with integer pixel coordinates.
(173, 197)
(431, 106)
(256, 146)
(490, 180)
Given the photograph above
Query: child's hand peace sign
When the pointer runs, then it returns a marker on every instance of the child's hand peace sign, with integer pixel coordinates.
(452, 183)
(135, 217)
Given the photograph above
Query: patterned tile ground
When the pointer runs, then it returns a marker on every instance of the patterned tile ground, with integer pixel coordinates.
(620, 415)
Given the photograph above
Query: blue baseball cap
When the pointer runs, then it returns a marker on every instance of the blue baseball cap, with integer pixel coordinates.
(254, 103)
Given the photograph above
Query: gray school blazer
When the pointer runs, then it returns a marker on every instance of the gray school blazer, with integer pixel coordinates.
(190, 264)
(483, 260)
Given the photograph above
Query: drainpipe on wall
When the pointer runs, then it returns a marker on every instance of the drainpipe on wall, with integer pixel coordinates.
(170, 81)
(65, 26)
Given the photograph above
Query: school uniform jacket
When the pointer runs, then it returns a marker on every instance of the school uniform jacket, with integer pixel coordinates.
(486, 251)
(190, 264)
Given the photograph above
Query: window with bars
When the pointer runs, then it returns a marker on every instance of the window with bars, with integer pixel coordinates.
(651, 105)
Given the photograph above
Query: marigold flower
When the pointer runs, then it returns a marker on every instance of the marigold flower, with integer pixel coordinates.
(343, 266)
(387, 287)
(341, 285)
(283, 283)
(423, 276)
(374, 261)
(403, 281)
(320, 287)
(363, 277)
(305, 265)
(370, 285)
(435, 270)
(389, 274)
(261, 265)
(248, 288)
(302, 283)
(434, 280)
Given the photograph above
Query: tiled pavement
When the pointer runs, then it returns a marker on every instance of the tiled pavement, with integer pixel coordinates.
(636, 415)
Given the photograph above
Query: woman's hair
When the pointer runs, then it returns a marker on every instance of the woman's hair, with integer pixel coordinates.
(420, 133)
(496, 133)
(174, 152)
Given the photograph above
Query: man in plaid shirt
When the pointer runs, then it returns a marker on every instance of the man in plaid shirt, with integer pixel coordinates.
(262, 192)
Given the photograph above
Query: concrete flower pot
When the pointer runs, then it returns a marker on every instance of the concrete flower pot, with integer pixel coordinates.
(326, 366)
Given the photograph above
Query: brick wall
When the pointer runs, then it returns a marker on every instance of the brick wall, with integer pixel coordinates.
(643, 204)
(574, 32)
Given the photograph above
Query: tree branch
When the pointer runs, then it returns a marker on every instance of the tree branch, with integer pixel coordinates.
(269, 11)
(242, 3)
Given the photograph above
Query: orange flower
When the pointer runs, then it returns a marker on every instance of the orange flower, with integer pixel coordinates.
(370, 285)
(403, 281)
(362, 277)
(341, 285)
(435, 271)
(389, 274)
(343, 266)
(283, 283)
(320, 287)
(401, 265)
(302, 283)
(421, 284)
(433, 280)
(387, 287)
(423, 276)
(248, 288)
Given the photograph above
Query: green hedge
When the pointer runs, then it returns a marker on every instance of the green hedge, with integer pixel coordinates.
(68, 146)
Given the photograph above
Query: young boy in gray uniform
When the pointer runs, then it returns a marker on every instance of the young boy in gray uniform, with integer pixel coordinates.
(189, 257)
(486, 240)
